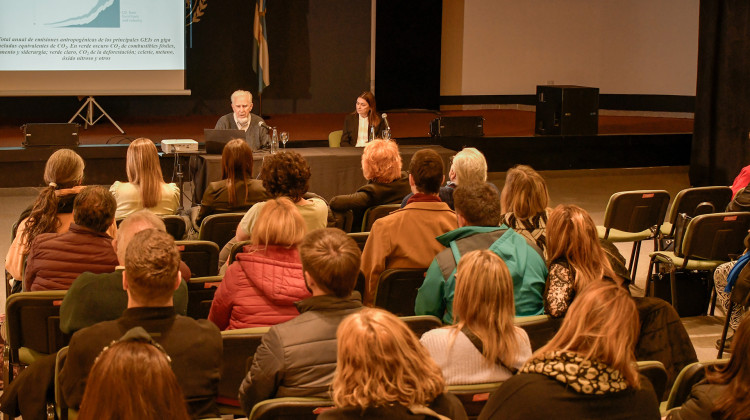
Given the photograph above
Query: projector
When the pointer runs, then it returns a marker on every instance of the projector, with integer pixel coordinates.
(179, 146)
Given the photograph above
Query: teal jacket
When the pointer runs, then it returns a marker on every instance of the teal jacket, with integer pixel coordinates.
(524, 261)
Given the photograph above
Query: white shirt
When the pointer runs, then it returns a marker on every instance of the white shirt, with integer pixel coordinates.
(362, 135)
(240, 126)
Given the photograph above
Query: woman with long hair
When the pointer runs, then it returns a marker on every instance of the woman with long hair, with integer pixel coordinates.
(237, 190)
(586, 371)
(145, 187)
(483, 345)
(133, 379)
(357, 125)
(524, 200)
(262, 285)
(575, 258)
(724, 393)
(383, 372)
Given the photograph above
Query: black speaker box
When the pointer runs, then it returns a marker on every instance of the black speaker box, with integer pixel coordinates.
(50, 135)
(457, 127)
(567, 110)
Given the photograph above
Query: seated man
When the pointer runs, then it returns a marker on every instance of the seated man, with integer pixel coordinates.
(56, 259)
(95, 298)
(150, 279)
(297, 358)
(241, 119)
(478, 212)
(406, 237)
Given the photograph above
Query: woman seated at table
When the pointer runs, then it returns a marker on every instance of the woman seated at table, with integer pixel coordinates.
(237, 191)
(357, 124)
(145, 187)
(485, 345)
(386, 182)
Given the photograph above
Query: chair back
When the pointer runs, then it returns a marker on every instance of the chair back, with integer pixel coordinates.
(374, 213)
(635, 211)
(290, 408)
(175, 226)
(716, 236)
(540, 328)
(239, 349)
(474, 397)
(420, 324)
(220, 228)
(202, 257)
(360, 238)
(334, 138)
(656, 374)
(689, 376)
(33, 321)
(236, 249)
(397, 290)
(688, 200)
(201, 292)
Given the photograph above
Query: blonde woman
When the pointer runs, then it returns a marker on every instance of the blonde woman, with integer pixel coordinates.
(261, 287)
(524, 201)
(484, 345)
(575, 258)
(587, 370)
(145, 187)
(384, 373)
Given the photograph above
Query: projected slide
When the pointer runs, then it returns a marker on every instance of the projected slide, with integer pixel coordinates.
(53, 35)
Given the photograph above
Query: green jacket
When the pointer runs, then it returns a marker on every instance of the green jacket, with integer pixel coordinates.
(524, 261)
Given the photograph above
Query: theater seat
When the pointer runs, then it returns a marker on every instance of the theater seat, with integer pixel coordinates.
(290, 408)
(474, 397)
(334, 138)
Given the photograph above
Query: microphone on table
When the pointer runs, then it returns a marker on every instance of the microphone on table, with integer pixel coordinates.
(264, 125)
(385, 118)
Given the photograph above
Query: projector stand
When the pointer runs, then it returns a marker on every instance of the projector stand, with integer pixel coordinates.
(88, 118)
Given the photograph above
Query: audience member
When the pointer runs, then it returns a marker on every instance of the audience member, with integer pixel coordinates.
(467, 167)
(406, 237)
(297, 358)
(52, 210)
(195, 347)
(479, 216)
(484, 345)
(145, 187)
(241, 119)
(357, 125)
(725, 277)
(586, 371)
(262, 285)
(386, 183)
(576, 258)
(237, 191)
(384, 373)
(94, 298)
(723, 394)
(132, 379)
(56, 259)
(524, 200)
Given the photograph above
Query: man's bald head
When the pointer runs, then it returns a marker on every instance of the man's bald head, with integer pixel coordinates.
(134, 223)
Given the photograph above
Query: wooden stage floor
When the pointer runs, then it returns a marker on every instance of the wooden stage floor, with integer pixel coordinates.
(301, 127)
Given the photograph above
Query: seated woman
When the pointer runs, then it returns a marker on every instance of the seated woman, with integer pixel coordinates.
(237, 191)
(574, 256)
(723, 394)
(524, 200)
(587, 370)
(145, 187)
(384, 373)
(357, 125)
(484, 346)
(386, 182)
(52, 210)
(262, 285)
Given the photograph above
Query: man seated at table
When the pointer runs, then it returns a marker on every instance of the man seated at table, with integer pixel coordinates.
(241, 119)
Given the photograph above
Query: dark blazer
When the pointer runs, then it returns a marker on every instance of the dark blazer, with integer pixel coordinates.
(256, 136)
(351, 126)
(216, 198)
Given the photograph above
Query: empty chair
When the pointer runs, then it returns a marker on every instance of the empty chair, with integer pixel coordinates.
(474, 397)
(690, 201)
(201, 292)
(290, 408)
(202, 257)
(175, 226)
(239, 348)
(360, 238)
(420, 324)
(656, 374)
(220, 228)
(374, 213)
(397, 290)
(334, 138)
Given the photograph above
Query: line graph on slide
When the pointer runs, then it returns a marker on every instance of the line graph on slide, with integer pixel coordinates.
(84, 14)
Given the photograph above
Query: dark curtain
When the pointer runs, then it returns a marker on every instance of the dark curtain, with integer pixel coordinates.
(722, 110)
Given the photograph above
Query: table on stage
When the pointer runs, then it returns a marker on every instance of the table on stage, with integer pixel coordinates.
(334, 171)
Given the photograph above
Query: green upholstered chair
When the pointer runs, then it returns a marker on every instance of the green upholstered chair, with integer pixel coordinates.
(238, 351)
(201, 292)
(474, 397)
(220, 228)
(360, 238)
(290, 408)
(374, 213)
(202, 257)
(397, 290)
(540, 328)
(656, 373)
(334, 138)
(689, 376)
(690, 201)
(420, 324)
(176, 225)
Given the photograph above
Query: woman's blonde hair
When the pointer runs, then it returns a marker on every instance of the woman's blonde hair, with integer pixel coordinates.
(279, 223)
(144, 170)
(381, 161)
(571, 235)
(483, 302)
(601, 324)
(469, 166)
(524, 193)
(381, 362)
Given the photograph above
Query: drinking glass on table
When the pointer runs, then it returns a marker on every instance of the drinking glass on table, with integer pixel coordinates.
(284, 138)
